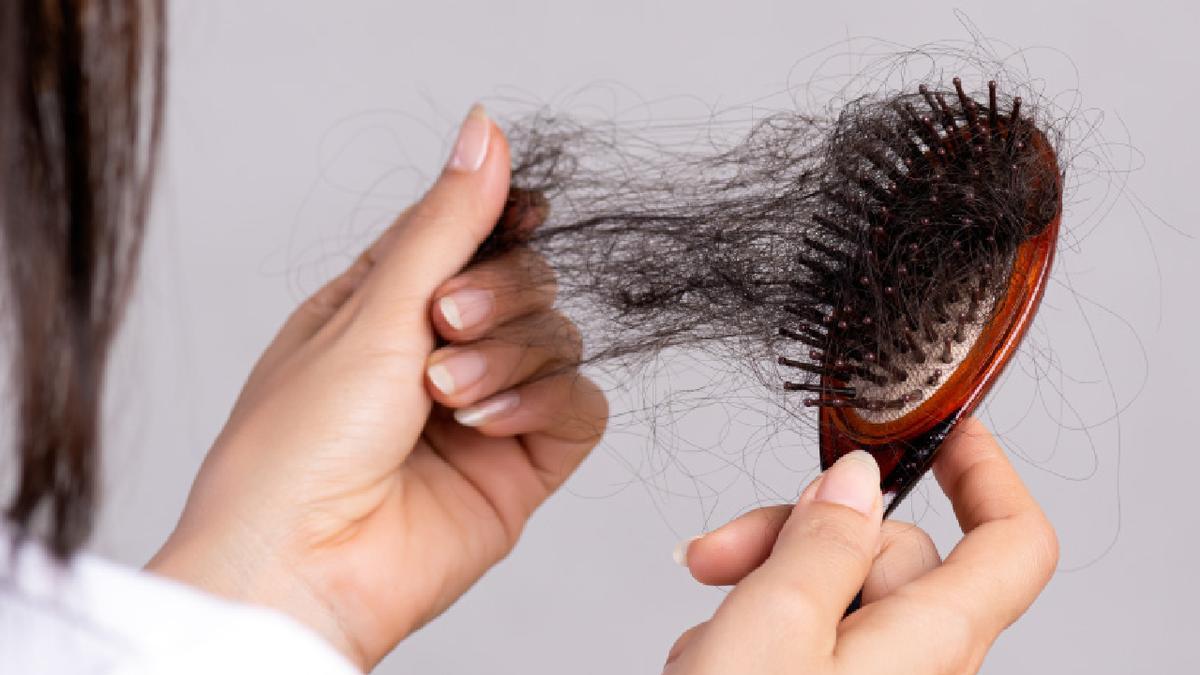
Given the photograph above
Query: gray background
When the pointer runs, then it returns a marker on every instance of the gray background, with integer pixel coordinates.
(296, 128)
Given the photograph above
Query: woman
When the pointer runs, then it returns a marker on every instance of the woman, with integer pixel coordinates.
(395, 437)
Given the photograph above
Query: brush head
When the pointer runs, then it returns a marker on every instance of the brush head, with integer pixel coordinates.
(927, 256)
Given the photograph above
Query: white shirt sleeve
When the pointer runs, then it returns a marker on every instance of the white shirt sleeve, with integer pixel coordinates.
(94, 617)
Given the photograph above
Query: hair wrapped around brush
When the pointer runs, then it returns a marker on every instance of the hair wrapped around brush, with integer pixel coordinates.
(862, 245)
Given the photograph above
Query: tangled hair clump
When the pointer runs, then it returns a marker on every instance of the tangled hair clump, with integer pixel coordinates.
(853, 235)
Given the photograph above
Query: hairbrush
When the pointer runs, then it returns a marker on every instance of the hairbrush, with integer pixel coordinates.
(929, 259)
(889, 259)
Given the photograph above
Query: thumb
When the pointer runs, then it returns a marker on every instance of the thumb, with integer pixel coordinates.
(821, 558)
(435, 238)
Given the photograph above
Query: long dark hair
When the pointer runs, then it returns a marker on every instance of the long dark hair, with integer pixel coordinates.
(80, 110)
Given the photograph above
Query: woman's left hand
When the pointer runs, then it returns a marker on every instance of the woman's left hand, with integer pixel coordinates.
(368, 475)
(797, 568)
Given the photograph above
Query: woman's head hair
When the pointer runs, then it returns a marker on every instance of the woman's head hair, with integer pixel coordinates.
(80, 107)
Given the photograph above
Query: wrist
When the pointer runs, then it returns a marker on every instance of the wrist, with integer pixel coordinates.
(235, 569)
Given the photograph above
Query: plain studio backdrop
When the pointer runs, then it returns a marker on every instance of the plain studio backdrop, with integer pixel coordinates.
(296, 129)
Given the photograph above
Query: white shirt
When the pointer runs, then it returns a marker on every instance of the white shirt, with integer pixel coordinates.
(95, 617)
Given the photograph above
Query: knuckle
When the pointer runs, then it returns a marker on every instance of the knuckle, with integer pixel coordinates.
(556, 342)
(594, 406)
(920, 542)
(569, 335)
(1043, 548)
(318, 305)
(580, 415)
(682, 641)
(906, 544)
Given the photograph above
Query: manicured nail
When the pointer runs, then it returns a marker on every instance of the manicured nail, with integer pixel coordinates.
(679, 555)
(486, 411)
(472, 145)
(466, 308)
(458, 371)
(852, 481)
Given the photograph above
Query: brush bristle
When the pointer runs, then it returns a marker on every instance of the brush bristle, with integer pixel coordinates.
(923, 203)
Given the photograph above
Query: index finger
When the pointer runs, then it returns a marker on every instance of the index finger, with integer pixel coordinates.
(1006, 532)
(954, 612)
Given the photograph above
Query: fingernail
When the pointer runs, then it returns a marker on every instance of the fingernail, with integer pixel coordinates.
(679, 554)
(852, 481)
(472, 145)
(458, 371)
(488, 410)
(466, 308)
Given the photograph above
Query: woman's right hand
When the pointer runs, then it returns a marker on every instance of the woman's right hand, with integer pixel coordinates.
(796, 569)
